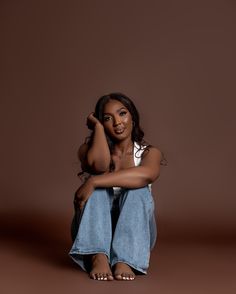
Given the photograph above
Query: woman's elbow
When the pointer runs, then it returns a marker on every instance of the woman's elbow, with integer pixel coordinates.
(152, 176)
(100, 167)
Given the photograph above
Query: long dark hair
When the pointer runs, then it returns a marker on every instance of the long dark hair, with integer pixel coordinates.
(137, 134)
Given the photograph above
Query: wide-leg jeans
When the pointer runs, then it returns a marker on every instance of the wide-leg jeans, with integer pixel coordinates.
(123, 227)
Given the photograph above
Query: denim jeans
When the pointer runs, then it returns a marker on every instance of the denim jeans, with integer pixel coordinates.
(123, 227)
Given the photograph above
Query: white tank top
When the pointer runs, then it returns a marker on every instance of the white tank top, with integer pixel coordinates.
(137, 160)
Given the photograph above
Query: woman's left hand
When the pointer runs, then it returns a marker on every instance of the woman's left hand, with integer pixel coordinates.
(83, 193)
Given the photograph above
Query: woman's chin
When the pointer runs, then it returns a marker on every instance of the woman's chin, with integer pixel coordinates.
(121, 137)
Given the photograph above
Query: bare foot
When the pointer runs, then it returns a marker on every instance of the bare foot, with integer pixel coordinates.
(123, 272)
(100, 268)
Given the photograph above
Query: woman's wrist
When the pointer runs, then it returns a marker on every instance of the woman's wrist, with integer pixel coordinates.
(98, 125)
(92, 181)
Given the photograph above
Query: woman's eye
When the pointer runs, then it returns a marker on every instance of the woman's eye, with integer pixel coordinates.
(123, 113)
(106, 118)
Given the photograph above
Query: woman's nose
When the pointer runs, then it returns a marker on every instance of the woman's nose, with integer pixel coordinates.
(116, 121)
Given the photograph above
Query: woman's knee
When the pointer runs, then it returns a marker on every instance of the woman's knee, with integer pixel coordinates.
(142, 193)
(99, 193)
(99, 198)
(138, 196)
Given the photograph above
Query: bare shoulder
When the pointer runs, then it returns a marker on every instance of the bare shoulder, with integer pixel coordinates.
(151, 160)
(152, 153)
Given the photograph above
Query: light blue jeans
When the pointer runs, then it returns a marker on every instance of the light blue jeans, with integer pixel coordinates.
(123, 227)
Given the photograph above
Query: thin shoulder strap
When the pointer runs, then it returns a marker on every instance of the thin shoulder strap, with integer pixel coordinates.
(138, 153)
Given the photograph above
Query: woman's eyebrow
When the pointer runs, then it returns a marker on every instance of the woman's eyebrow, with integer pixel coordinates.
(118, 110)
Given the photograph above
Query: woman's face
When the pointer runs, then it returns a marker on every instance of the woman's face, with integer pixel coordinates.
(117, 120)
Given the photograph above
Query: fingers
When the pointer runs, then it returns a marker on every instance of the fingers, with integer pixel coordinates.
(92, 120)
(91, 115)
(79, 203)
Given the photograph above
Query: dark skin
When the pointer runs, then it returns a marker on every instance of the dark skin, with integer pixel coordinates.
(118, 124)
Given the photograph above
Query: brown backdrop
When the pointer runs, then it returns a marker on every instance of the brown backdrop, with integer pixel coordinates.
(176, 59)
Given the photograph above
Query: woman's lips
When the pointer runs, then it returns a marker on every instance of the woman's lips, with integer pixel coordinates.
(119, 131)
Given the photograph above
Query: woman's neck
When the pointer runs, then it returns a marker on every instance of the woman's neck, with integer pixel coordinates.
(124, 147)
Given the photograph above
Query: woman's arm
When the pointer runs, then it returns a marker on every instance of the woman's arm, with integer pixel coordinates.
(96, 158)
(134, 177)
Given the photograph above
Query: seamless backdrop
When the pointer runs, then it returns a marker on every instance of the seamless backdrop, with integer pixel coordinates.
(175, 59)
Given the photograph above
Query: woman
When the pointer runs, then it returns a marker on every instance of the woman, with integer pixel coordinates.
(114, 226)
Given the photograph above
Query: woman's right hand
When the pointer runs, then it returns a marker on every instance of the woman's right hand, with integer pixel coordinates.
(92, 121)
(83, 193)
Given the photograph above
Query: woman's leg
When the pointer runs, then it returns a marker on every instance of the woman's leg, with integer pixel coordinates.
(94, 229)
(135, 233)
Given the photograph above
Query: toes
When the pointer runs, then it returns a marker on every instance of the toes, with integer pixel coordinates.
(131, 277)
(97, 276)
(101, 276)
(104, 277)
(124, 277)
(118, 276)
(110, 277)
(92, 276)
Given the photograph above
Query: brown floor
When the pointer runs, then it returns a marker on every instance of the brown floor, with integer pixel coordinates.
(33, 261)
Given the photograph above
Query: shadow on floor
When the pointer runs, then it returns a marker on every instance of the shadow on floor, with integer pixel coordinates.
(38, 236)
